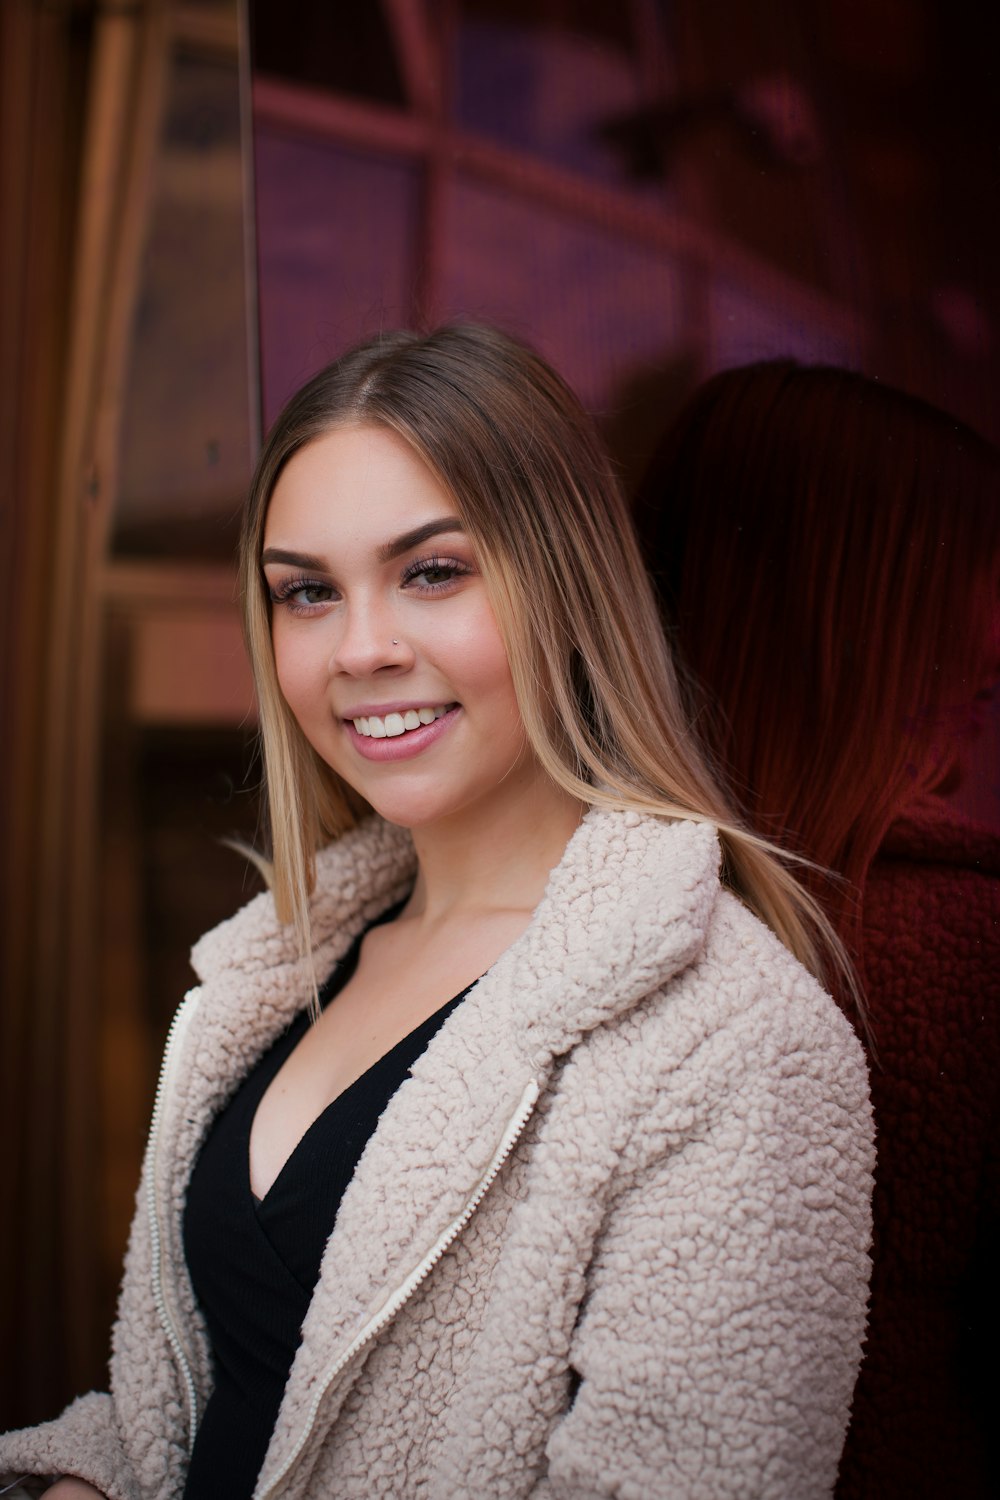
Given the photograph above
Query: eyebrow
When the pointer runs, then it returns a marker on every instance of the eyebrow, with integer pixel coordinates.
(386, 553)
(417, 536)
(294, 559)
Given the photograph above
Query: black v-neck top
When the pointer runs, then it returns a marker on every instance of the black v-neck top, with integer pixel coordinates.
(254, 1263)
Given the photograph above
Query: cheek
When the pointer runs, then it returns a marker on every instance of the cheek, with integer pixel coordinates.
(496, 693)
(483, 659)
(298, 674)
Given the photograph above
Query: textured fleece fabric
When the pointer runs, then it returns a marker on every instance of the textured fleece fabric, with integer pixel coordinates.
(927, 1405)
(662, 1291)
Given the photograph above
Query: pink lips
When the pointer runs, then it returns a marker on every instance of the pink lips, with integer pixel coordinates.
(402, 746)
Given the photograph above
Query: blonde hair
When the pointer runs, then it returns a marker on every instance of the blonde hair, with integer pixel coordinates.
(593, 675)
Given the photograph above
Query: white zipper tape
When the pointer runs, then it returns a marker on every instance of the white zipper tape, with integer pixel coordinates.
(175, 1037)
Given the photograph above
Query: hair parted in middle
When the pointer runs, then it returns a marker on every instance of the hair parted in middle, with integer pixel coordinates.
(539, 498)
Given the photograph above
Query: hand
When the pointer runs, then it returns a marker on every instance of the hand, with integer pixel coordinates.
(69, 1488)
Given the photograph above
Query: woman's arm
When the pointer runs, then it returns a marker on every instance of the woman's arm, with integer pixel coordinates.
(85, 1437)
(88, 1437)
(720, 1338)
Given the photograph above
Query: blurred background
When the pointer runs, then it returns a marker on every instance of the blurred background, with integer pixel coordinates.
(200, 204)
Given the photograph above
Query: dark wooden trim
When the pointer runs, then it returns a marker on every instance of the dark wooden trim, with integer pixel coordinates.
(49, 1328)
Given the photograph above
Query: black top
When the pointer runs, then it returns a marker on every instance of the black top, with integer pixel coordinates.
(254, 1263)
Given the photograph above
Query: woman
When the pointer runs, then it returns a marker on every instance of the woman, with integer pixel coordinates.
(609, 1235)
(859, 530)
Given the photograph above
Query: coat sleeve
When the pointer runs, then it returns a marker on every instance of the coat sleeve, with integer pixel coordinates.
(719, 1340)
(131, 1443)
(84, 1442)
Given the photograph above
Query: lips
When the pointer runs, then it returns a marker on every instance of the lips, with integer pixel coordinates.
(397, 742)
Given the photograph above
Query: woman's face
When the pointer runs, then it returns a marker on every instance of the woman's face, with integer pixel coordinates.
(386, 647)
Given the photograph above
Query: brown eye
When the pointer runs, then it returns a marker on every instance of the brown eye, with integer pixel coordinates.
(301, 594)
(434, 573)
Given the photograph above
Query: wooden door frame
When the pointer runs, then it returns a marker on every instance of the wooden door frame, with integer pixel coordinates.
(73, 217)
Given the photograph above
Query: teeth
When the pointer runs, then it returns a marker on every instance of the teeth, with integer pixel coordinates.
(393, 725)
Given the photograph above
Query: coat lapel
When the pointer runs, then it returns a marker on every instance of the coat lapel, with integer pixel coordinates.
(253, 983)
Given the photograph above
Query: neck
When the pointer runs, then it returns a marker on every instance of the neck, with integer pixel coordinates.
(496, 855)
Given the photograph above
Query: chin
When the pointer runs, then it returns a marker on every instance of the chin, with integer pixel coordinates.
(416, 808)
(402, 817)
(410, 808)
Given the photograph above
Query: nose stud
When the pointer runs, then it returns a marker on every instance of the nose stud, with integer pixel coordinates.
(395, 643)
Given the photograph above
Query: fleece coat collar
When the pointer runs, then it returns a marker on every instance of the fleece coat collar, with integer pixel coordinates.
(626, 908)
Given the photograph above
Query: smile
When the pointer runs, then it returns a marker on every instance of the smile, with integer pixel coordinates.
(394, 724)
(389, 737)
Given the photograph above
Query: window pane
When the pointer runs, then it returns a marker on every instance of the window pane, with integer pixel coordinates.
(748, 324)
(601, 308)
(185, 445)
(559, 91)
(343, 49)
(336, 249)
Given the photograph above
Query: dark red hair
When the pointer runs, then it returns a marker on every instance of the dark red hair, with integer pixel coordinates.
(827, 552)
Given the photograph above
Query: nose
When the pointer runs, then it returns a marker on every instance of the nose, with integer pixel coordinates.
(369, 640)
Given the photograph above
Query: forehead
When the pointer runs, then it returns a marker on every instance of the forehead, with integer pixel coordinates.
(356, 478)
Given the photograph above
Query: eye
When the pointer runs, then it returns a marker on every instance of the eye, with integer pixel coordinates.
(432, 575)
(300, 595)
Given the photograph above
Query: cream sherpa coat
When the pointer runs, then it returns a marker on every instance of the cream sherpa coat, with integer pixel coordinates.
(609, 1239)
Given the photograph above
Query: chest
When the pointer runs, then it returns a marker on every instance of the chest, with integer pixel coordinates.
(392, 984)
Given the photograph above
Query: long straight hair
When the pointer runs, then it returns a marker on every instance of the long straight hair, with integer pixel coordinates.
(593, 676)
(827, 551)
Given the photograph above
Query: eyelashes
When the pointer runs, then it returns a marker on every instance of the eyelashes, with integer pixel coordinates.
(448, 569)
(289, 590)
(425, 576)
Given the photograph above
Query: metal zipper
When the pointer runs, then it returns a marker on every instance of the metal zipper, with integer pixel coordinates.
(391, 1307)
(175, 1036)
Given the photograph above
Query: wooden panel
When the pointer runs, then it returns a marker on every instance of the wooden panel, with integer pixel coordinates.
(39, 128)
(189, 667)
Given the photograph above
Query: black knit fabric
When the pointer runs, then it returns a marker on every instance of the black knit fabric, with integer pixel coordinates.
(254, 1263)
